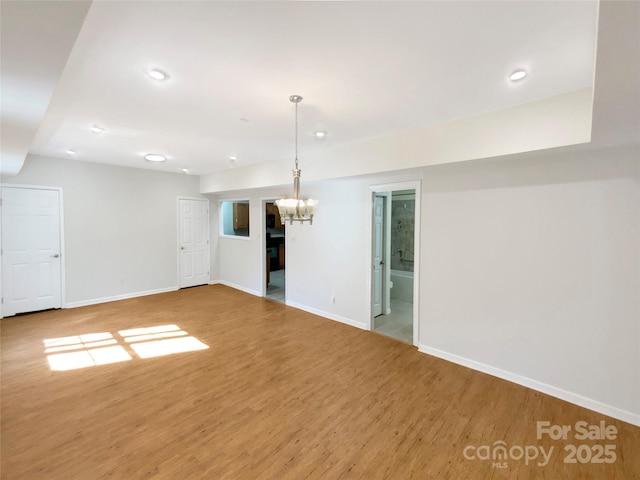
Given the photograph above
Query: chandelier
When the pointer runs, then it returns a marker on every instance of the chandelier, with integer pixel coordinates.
(294, 209)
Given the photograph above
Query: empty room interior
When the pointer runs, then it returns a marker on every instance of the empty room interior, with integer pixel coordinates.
(330, 240)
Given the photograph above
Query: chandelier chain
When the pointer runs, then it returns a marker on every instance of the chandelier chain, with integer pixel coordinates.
(296, 135)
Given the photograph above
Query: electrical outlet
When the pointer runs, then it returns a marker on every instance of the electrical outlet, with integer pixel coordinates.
(333, 298)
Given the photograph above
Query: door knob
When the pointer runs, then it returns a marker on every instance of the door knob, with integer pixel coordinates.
(55, 255)
(181, 248)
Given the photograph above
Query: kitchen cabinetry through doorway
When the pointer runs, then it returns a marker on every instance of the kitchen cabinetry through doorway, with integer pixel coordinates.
(274, 257)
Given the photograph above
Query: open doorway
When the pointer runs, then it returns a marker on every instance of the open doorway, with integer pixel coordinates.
(395, 233)
(274, 247)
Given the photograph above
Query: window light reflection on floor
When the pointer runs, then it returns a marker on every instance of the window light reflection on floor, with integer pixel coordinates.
(153, 336)
(168, 346)
(88, 358)
(77, 339)
(149, 330)
(137, 339)
(81, 351)
(63, 348)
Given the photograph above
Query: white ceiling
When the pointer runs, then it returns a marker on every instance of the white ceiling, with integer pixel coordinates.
(34, 51)
(365, 69)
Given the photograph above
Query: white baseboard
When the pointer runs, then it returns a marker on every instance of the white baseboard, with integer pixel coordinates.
(328, 315)
(299, 306)
(595, 405)
(95, 301)
(240, 287)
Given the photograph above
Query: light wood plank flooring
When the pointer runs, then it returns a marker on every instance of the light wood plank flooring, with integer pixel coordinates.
(279, 394)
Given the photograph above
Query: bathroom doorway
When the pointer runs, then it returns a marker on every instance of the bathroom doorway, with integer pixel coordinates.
(395, 234)
(274, 248)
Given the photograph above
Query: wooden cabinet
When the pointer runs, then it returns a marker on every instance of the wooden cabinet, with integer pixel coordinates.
(240, 216)
(281, 255)
(272, 209)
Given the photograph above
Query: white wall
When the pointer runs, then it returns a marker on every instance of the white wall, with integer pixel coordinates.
(322, 260)
(531, 271)
(120, 226)
(328, 259)
(240, 258)
(530, 268)
(214, 251)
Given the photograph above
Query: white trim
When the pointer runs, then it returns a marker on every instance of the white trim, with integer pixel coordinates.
(179, 267)
(63, 253)
(34, 187)
(416, 262)
(576, 399)
(263, 240)
(315, 311)
(239, 287)
(263, 229)
(390, 187)
(236, 237)
(125, 296)
(328, 315)
(193, 198)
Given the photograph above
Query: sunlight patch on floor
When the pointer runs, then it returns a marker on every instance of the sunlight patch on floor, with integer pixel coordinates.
(149, 330)
(81, 351)
(88, 358)
(154, 336)
(167, 347)
(63, 348)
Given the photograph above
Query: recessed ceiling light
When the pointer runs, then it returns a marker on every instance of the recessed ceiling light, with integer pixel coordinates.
(70, 151)
(517, 75)
(320, 133)
(97, 129)
(154, 157)
(158, 74)
(184, 170)
(233, 158)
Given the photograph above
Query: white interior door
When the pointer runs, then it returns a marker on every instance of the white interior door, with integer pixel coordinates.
(378, 254)
(31, 253)
(194, 242)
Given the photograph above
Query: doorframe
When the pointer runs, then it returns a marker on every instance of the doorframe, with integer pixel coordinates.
(63, 253)
(209, 269)
(391, 187)
(263, 246)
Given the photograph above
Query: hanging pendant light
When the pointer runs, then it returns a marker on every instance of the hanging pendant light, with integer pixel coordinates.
(294, 209)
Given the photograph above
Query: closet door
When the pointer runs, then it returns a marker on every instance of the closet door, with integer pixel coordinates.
(31, 253)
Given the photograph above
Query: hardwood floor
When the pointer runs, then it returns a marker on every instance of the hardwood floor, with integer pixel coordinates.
(279, 394)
